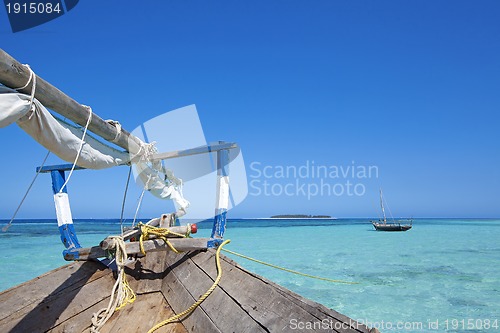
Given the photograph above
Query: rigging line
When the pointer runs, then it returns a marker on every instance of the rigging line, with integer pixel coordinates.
(138, 206)
(5, 228)
(80, 149)
(286, 269)
(125, 198)
(390, 212)
(140, 200)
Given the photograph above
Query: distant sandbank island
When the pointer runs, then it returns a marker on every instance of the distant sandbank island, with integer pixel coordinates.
(300, 216)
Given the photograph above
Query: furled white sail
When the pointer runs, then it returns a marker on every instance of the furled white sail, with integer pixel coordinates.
(162, 184)
(63, 140)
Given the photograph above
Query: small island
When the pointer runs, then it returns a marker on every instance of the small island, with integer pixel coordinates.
(300, 216)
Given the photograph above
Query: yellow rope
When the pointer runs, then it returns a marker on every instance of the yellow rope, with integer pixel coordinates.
(129, 295)
(147, 230)
(202, 298)
(288, 270)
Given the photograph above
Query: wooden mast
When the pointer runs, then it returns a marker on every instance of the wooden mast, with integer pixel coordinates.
(382, 205)
(13, 75)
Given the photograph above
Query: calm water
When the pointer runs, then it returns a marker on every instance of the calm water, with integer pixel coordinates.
(436, 277)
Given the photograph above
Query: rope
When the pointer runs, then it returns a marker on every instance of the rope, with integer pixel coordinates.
(289, 270)
(124, 199)
(140, 202)
(124, 293)
(202, 298)
(118, 127)
(5, 228)
(79, 149)
(33, 87)
(147, 230)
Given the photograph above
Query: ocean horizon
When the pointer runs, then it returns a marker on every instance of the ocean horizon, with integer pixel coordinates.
(443, 270)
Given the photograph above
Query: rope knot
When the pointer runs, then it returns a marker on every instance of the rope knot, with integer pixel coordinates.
(147, 231)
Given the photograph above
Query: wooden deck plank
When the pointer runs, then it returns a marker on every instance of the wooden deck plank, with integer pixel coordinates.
(143, 314)
(316, 309)
(140, 316)
(222, 310)
(180, 299)
(58, 307)
(53, 282)
(146, 275)
(273, 306)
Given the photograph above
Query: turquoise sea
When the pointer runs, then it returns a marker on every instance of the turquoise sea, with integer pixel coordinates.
(441, 276)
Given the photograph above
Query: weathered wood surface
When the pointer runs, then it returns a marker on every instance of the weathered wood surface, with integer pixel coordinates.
(180, 299)
(186, 283)
(272, 307)
(16, 298)
(195, 151)
(64, 300)
(109, 243)
(143, 314)
(166, 283)
(146, 275)
(40, 304)
(153, 245)
(14, 75)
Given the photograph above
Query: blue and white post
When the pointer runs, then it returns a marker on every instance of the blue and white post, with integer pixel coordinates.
(222, 198)
(63, 210)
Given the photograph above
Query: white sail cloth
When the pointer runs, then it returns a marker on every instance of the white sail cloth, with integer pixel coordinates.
(63, 140)
(162, 184)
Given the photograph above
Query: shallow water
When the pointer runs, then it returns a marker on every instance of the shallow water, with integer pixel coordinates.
(436, 277)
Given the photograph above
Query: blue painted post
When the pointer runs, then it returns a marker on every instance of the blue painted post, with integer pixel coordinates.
(222, 199)
(63, 213)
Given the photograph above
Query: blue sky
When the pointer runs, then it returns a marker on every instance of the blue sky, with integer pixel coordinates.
(411, 87)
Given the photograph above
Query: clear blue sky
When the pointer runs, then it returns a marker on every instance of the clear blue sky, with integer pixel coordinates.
(411, 87)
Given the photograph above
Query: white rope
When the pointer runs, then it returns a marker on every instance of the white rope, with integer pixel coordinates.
(80, 149)
(120, 294)
(145, 152)
(118, 127)
(148, 150)
(5, 228)
(29, 79)
(33, 88)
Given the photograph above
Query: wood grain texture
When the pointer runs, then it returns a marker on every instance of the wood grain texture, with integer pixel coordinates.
(166, 283)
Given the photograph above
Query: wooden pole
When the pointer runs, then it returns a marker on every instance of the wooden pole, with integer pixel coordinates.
(153, 245)
(14, 75)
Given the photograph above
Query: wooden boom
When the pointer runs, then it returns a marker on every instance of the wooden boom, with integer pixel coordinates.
(14, 75)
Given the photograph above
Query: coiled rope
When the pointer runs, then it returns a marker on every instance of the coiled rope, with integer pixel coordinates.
(288, 270)
(124, 293)
(202, 298)
(162, 233)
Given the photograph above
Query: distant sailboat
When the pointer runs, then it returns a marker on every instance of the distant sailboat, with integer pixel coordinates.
(384, 225)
